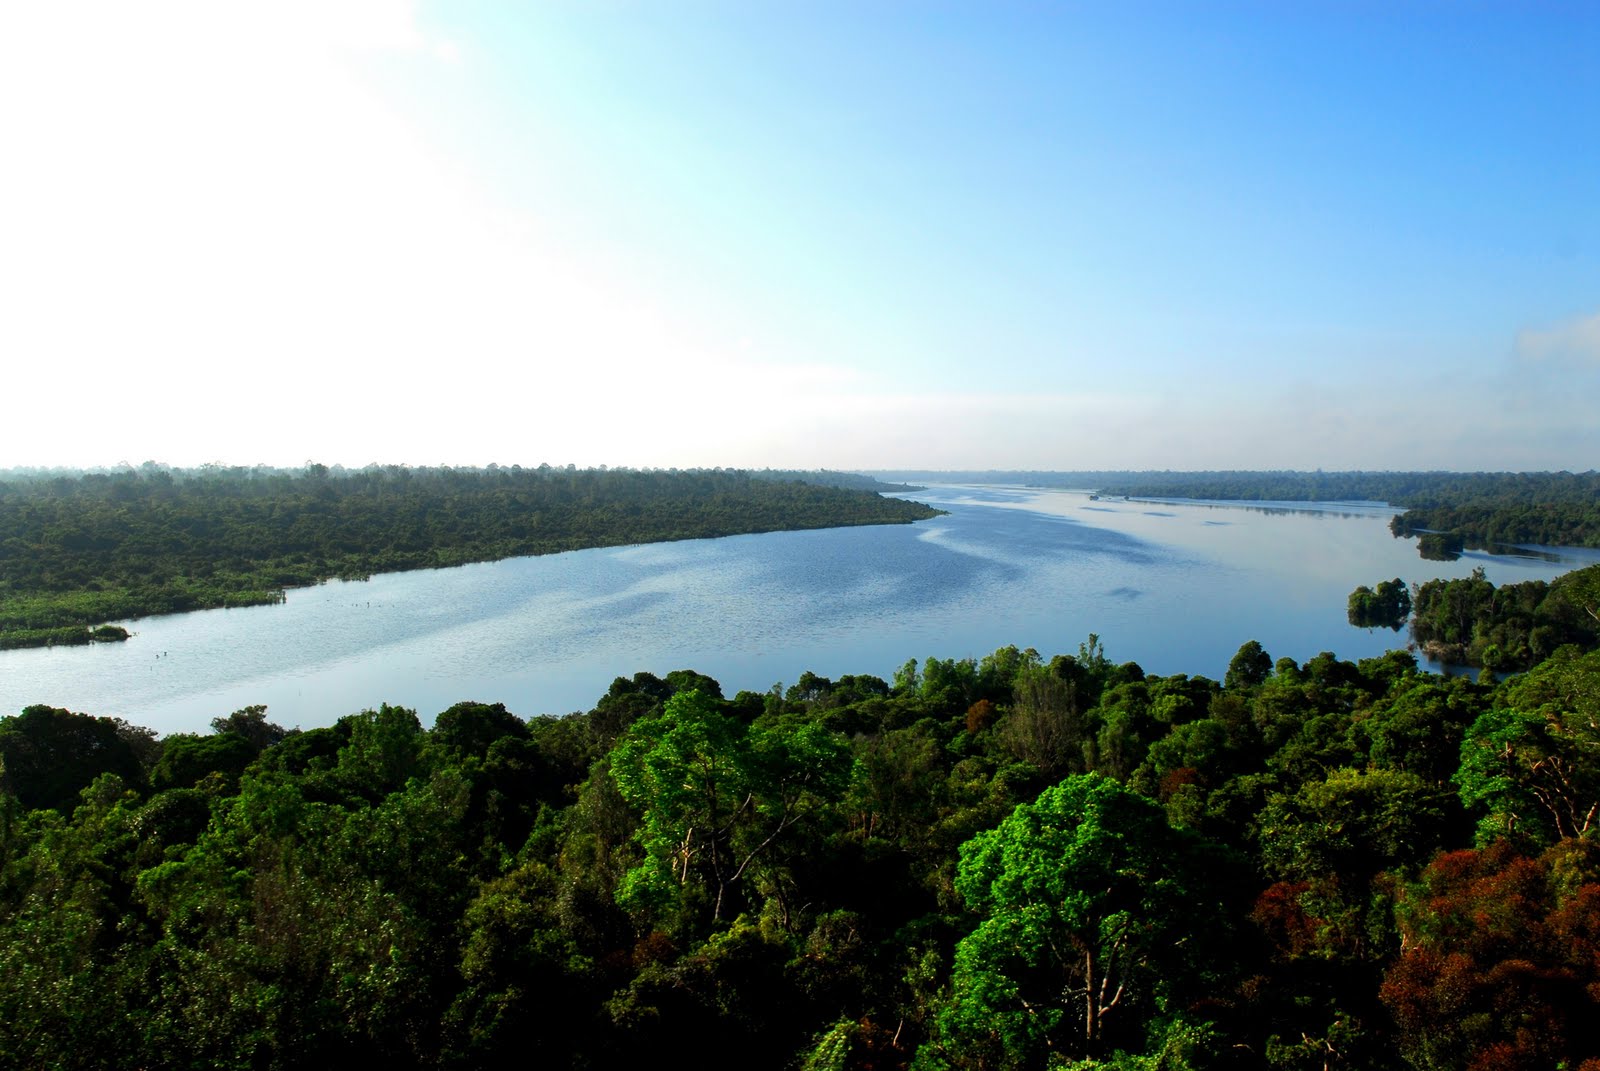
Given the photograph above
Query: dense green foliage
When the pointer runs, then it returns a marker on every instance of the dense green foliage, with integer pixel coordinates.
(1387, 606)
(997, 863)
(63, 636)
(88, 548)
(1088, 891)
(1471, 622)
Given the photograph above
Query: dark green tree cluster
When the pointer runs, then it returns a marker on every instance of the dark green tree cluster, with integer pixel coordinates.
(1512, 627)
(1387, 606)
(981, 864)
(78, 550)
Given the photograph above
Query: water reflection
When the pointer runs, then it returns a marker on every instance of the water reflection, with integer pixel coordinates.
(1325, 509)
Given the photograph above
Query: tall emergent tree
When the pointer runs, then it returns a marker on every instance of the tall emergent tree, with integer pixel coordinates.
(1093, 909)
(716, 795)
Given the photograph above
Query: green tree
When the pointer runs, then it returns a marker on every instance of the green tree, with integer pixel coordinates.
(716, 795)
(1531, 765)
(50, 755)
(1353, 823)
(252, 724)
(187, 758)
(527, 992)
(1386, 607)
(472, 728)
(73, 954)
(1095, 915)
(1250, 667)
(1418, 727)
(1046, 727)
(384, 751)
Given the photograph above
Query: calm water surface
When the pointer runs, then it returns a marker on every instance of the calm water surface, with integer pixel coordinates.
(1174, 586)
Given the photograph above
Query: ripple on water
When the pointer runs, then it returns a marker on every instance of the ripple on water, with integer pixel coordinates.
(1176, 592)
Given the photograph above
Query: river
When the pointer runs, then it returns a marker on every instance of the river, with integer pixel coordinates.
(1174, 586)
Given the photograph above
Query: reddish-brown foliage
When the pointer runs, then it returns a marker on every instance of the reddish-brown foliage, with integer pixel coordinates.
(1279, 915)
(1173, 780)
(980, 715)
(1500, 965)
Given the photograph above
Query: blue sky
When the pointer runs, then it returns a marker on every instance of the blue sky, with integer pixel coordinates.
(803, 234)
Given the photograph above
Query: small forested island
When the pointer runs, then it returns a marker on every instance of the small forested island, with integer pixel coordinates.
(1006, 862)
(1387, 605)
(81, 549)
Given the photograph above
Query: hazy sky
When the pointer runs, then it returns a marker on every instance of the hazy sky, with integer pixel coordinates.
(855, 234)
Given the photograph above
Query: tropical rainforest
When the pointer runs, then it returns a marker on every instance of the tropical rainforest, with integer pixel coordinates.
(1010, 862)
(1013, 862)
(81, 549)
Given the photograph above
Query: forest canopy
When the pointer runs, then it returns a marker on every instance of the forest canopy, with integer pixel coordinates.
(1469, 621)
(1006, 862)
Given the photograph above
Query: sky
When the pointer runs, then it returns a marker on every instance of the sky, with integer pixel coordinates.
(865, 234)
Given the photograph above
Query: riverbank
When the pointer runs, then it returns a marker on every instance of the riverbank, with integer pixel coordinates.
(93, 548)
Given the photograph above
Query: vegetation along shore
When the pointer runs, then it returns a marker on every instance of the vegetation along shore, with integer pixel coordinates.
(82, 549)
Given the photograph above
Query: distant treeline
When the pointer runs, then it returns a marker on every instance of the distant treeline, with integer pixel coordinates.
(78, 550)
(1462, 510)
(998, 863)
(828, 478)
